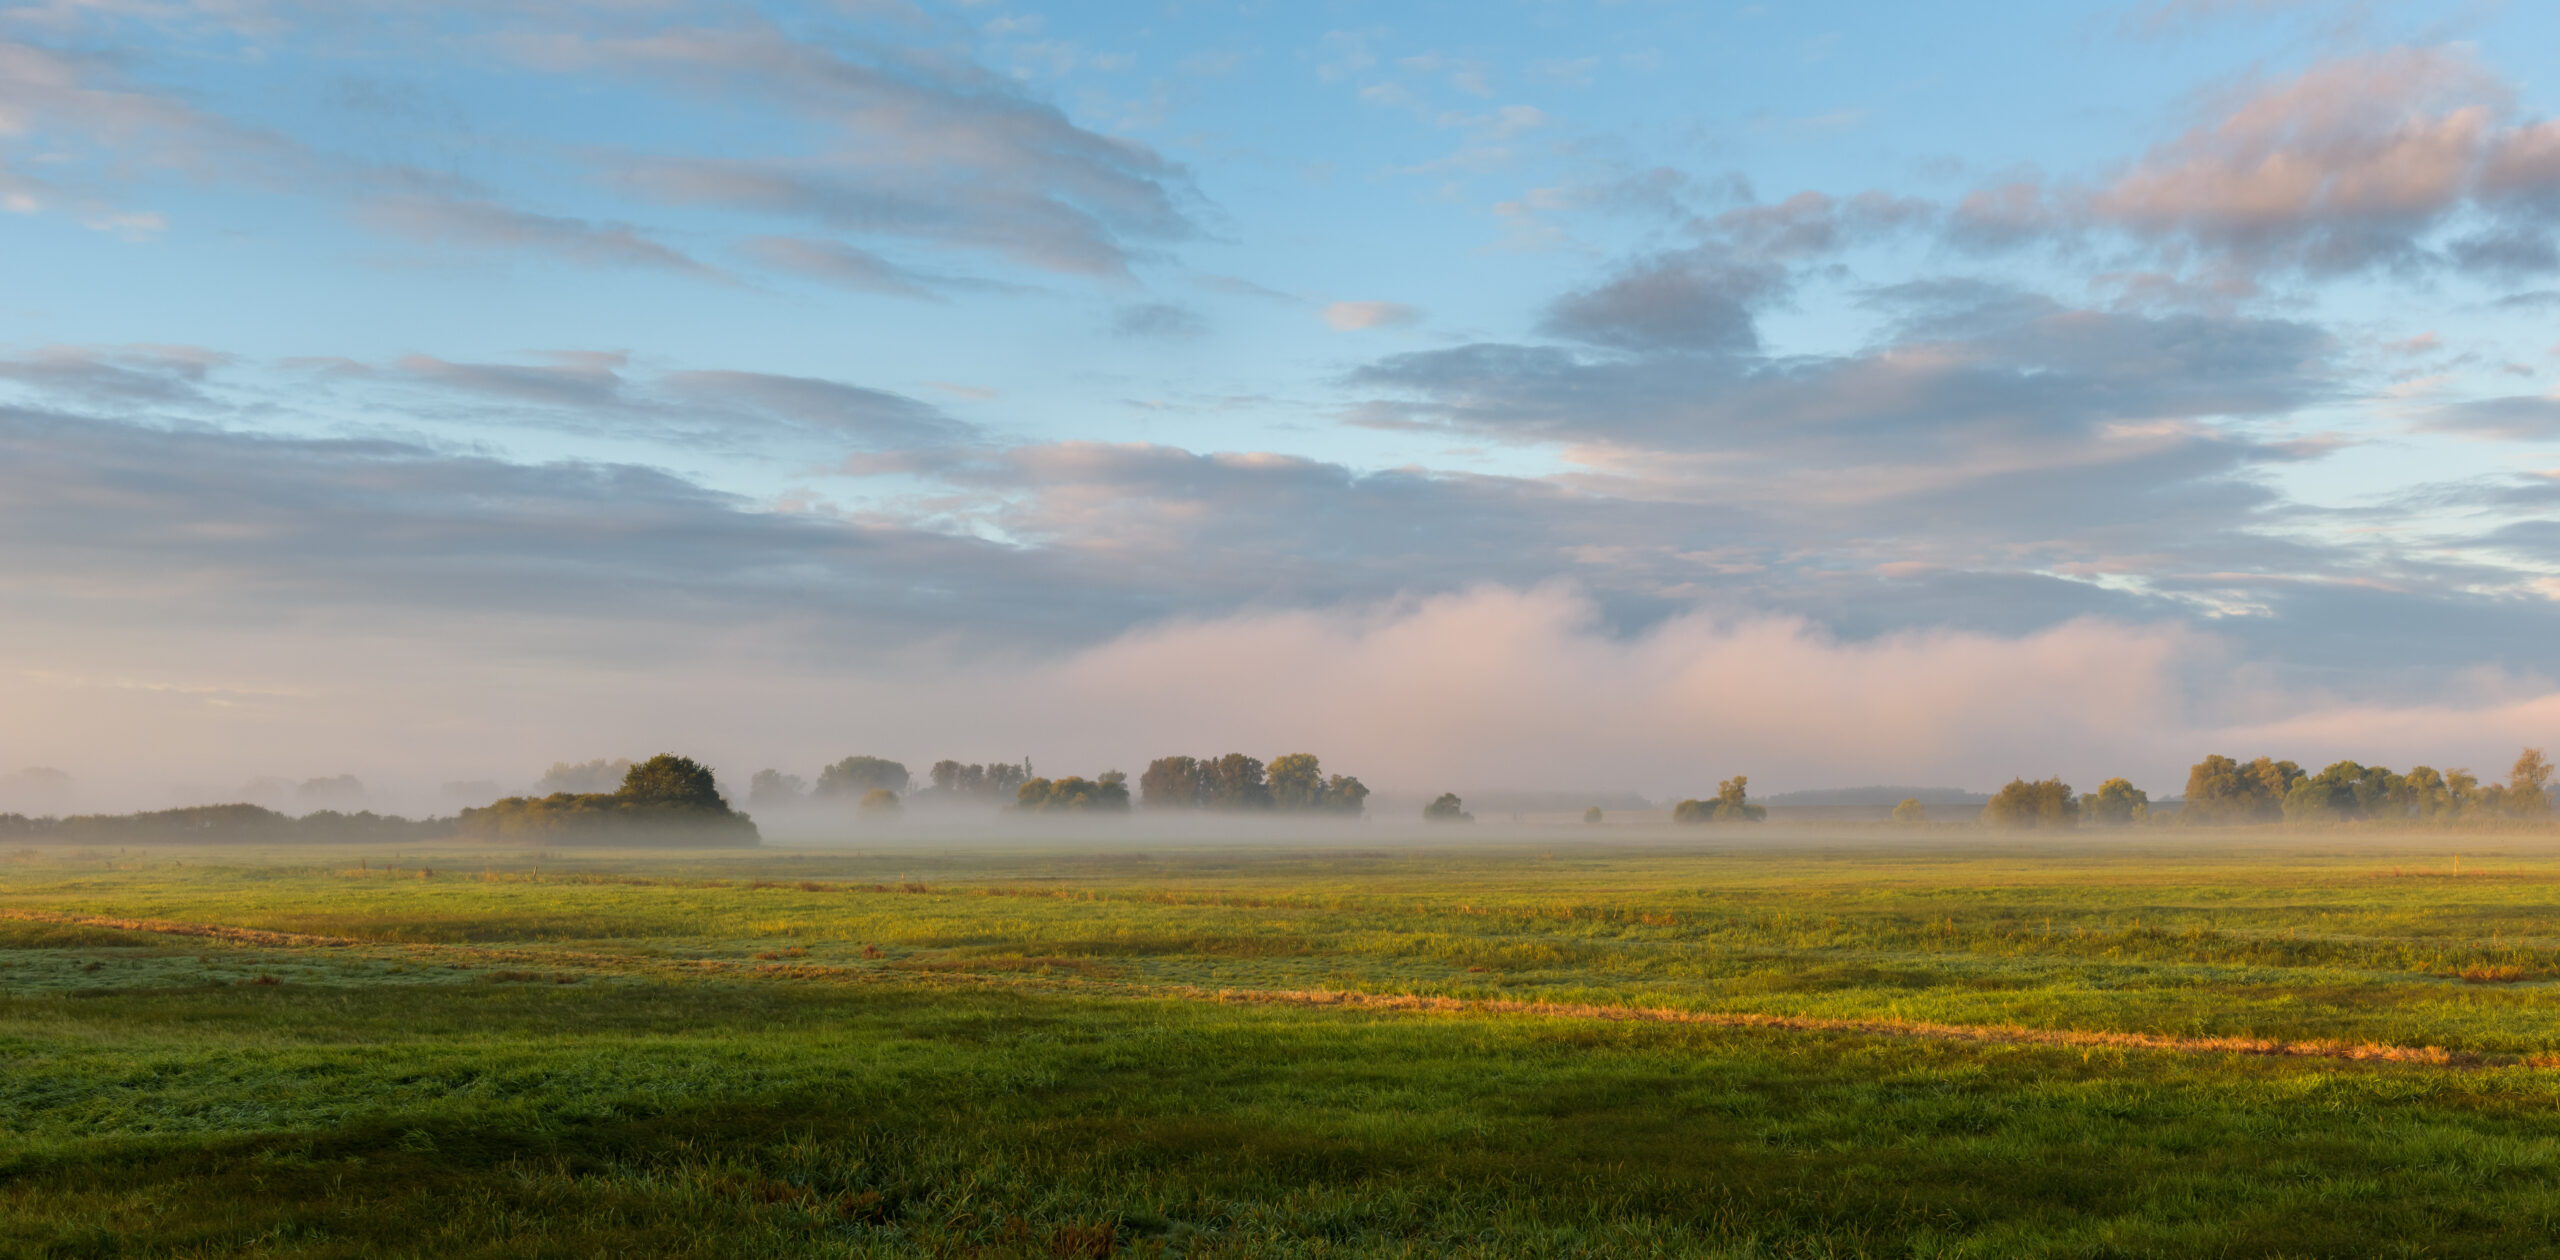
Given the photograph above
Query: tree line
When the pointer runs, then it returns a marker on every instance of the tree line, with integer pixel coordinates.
(2224, 791)
(1292, 783)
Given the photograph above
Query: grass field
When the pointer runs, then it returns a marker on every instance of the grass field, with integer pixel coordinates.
(1796, 1043)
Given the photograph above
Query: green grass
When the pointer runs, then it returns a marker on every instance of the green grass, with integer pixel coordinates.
(1024, 1051)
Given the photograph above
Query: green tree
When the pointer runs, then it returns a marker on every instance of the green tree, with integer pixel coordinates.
(1172, 783)
(668, 779)
(1296, 782)
(1345, 795)
(2042, 803)
(2116, 803)
(1234, 781)
(2221, 790)
(1447, 809)
(1732, 804)
(1074, 795)
(854, 776)
(2343, 792)
(2529, 786)
(1910, 811)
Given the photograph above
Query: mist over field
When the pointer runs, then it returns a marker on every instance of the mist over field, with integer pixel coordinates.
(1488, 689)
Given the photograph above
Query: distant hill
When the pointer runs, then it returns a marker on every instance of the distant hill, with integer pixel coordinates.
(1882, 795)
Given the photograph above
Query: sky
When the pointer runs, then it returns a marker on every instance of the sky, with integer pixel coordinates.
(1521, 394)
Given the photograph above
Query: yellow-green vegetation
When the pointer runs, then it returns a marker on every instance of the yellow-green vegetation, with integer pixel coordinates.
(1769, 1042)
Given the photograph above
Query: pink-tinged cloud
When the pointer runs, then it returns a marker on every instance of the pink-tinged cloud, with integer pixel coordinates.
(2343, 165)
(1355, 316)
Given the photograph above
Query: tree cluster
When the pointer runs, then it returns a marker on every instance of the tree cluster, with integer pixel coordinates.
(1295, 782)
(1105, 793)
(1732, 804)
(993, 781)
(855, 776)
(666, 798)
(2221, 790)
(1447, 809)
(2037, 803)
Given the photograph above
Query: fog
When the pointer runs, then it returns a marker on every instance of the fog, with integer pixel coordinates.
(1494, 690)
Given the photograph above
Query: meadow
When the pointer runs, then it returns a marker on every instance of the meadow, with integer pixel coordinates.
(1750, 1041)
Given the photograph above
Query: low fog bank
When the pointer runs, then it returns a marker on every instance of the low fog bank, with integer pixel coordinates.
(1493, 693)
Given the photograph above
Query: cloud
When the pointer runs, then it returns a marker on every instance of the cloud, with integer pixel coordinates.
(1355, 316)
(440, 220)
(118, 376)
(915, 146)
(2357, 162)
(599, 392)
(1690, 300)
(2517, 418)
(1158, 320)
(838, 264)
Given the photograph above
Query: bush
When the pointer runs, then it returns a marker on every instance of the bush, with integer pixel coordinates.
(1447, 809)
(1910, 811)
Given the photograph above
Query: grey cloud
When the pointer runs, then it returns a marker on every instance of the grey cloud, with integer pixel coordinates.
(589, 381)
(96, 513)
(593, 391)
(1159, 320)
(838, 264)
(1692, 300)
(476, 222)
(921, 147)
(875, 418)
(1985, 373)
(2520, 417)
(118, 375)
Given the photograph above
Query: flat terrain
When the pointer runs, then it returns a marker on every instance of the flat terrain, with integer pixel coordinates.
(1775, 1041)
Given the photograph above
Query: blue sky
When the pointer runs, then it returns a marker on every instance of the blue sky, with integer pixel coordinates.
(432, 391)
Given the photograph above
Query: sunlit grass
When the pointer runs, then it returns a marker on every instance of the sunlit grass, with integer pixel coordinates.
(1021, 1052)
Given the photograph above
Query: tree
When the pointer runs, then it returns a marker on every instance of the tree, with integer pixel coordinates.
(2043, 803)
(879, 803)
(1107, 794)
(1173, 783)
(1447, 809)
(2116, 803)
(855, 776)
(2221, 790)
(666, 798)
(1296, 782)
(1910, 811)
(1345, 795)
(772, 789)
(1732, 804)
(1592, 815)
(1234, 781)
(2529, 786)
(598, 775)
(2343, 792)
(670, 780)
